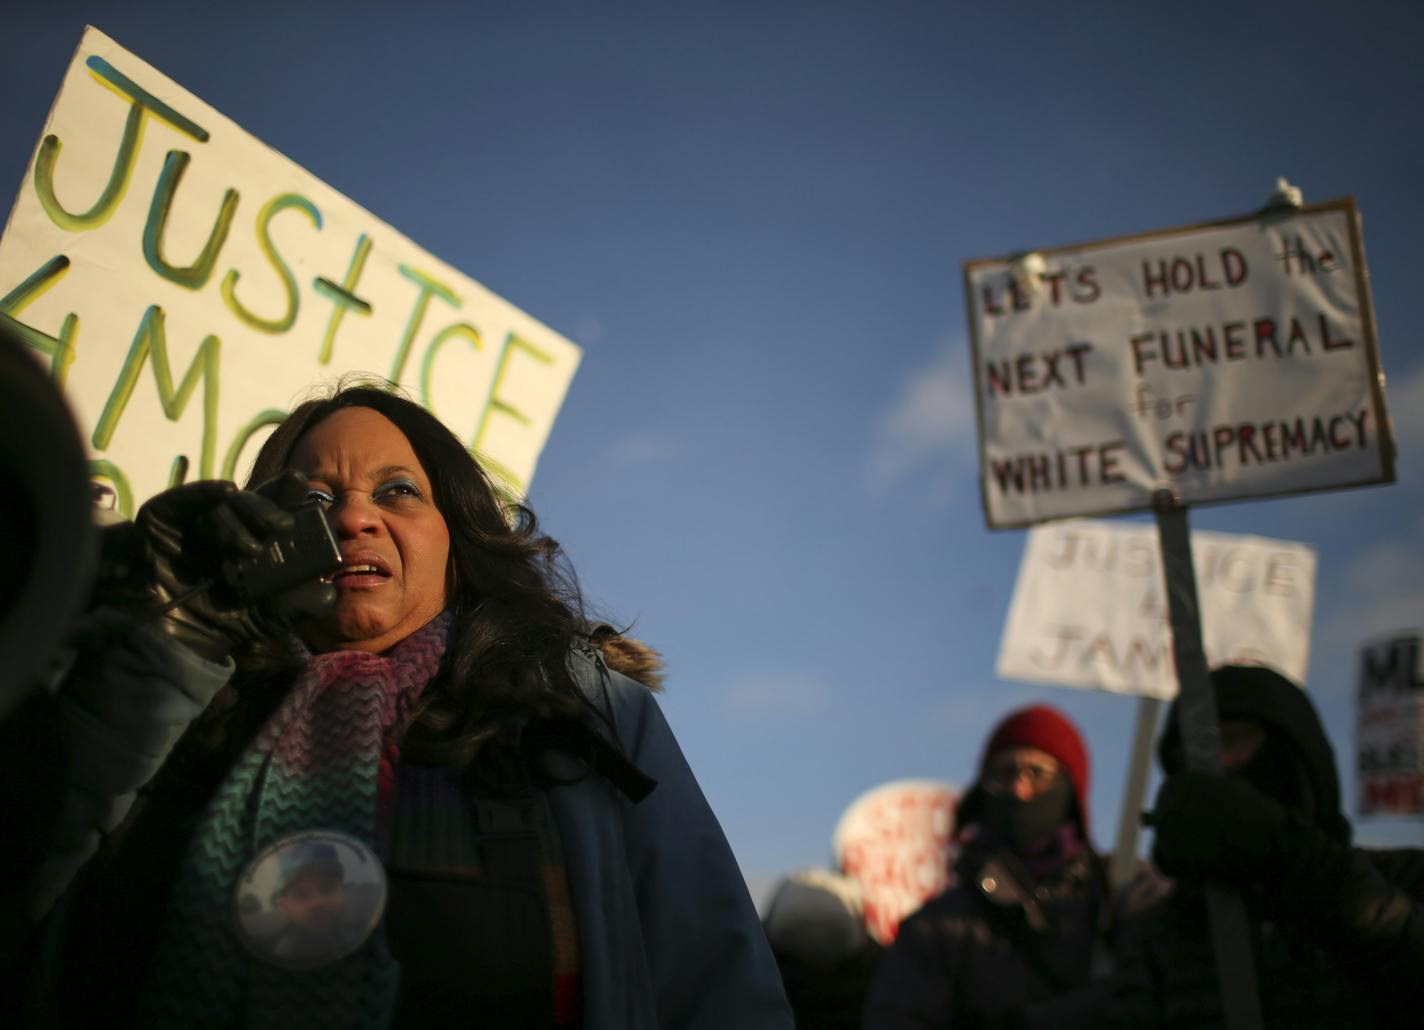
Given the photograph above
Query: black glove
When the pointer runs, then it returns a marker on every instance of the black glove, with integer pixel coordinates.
(1212, 826)
(171, 560)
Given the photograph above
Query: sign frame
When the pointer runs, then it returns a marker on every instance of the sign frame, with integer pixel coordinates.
(1261, 589)
(1369, 345)
(215, 283)
(1401, 704)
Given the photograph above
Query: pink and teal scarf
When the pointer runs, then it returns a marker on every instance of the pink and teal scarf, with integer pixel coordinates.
(325, 760)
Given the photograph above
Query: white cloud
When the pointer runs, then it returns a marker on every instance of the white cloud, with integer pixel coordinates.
(775, 695)
(929, 430)
(640, 449)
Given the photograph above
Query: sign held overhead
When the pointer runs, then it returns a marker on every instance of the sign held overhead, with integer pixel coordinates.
(185, 285)
(1390, 714)
(1222, 361)
(897, 842)
(1089, 608)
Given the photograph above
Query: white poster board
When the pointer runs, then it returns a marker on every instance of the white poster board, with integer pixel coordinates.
(1228, 360)
(1089, 608)
(1390, 725)
(186, 285)
(897, 842)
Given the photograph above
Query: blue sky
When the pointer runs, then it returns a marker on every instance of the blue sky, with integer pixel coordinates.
(752, 218)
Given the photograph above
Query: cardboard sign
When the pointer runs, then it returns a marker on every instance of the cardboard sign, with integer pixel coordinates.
(1089, 609)
(1390, 710)
(186, 286)
(1229, 360)
(896, 841)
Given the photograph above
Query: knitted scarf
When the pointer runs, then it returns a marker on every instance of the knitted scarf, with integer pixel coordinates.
(1044, 857)
(324, 760)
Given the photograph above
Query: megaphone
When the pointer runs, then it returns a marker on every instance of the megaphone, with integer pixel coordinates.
(46, 522)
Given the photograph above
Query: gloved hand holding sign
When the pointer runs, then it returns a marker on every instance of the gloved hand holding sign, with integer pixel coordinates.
(1215, 826)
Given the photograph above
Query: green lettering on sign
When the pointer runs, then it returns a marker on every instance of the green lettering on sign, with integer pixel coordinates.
(196, 275)
(284, 321)
(427, 366)
(102, 468)
(60, 349)
(141, 103)
(496, 406)
(270, 417)
(343, 297)
(150, 340)
(428, 287)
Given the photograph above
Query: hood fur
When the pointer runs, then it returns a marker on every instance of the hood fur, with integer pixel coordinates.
(631, 657)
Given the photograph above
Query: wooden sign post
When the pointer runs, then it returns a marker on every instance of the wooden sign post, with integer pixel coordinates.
(1201, 746)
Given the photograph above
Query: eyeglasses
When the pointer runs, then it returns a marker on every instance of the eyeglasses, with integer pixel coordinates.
(1001, 777)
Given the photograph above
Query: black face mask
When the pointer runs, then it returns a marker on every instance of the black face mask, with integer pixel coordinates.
(1022, 823)
(1275, 772)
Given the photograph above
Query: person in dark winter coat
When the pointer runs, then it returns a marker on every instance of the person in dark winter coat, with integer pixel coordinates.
(1012, 942)
(513, 812)
(1337, 932)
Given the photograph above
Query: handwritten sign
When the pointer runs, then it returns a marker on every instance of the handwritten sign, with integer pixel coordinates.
(896, 841)
(1390, 710)
(186, 286)
(1229, 360)
(1089, 608)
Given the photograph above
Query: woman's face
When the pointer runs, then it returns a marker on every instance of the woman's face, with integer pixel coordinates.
(394, 543)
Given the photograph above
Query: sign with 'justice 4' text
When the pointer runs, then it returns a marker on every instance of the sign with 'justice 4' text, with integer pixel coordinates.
(185, 284)
(1228, 360)
(1089, 608)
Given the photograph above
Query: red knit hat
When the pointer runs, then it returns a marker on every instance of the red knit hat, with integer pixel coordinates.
(1049, 730)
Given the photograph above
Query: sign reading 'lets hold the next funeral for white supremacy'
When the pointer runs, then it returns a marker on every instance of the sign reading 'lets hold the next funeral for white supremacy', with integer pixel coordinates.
(186, 285)
(1089, 608)
(1222, 361)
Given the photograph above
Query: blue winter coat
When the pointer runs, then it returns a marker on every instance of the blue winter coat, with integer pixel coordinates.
(668, 935)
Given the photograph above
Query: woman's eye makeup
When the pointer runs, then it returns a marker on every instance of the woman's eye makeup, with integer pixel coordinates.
(390, 491)
(397, 489)
(317, 495)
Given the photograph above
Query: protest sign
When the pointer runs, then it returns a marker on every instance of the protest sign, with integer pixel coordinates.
(1089, 608)
(1227, 360)
(896, 842)
(185, 285)
(1390, 712)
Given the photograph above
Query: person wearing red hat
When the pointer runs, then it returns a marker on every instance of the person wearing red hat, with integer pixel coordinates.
(1012, 943)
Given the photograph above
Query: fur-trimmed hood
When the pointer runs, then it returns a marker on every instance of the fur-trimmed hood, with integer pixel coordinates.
(630, 656)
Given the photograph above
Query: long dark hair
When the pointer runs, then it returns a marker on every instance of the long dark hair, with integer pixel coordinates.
(515, 599)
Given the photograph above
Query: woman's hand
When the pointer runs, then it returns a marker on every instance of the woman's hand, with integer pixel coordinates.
(177, 547)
